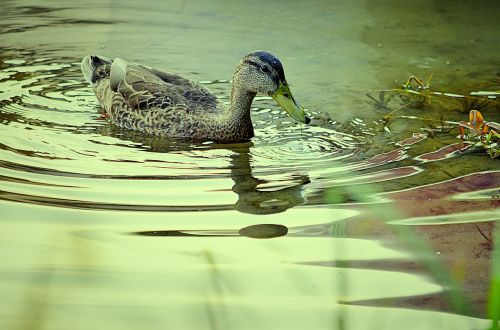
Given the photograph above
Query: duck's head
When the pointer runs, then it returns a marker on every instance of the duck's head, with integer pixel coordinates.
(262, 72)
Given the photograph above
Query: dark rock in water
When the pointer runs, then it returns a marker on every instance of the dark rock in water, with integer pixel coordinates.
(264, 231)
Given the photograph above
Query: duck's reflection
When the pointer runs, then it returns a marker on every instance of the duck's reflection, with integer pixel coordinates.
(251, 199)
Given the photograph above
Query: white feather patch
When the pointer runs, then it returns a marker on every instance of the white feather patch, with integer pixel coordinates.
(118, 72)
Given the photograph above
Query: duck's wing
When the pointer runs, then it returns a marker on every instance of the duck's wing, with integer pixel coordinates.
(145, 88)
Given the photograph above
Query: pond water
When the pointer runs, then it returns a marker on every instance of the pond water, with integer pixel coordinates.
(366, 226)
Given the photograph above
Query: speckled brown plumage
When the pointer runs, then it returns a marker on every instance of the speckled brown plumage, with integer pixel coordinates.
(154, 102)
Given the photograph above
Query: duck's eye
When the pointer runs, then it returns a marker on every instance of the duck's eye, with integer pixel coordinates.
(264, 68)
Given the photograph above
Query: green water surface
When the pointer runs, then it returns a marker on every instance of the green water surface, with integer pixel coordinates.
(104, 228)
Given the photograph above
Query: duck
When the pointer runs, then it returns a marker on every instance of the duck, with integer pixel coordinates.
(153, 102)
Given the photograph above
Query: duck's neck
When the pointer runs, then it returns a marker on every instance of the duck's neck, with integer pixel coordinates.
(241, 102)
(237, 123)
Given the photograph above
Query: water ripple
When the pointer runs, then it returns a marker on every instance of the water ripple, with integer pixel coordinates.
(57, 150)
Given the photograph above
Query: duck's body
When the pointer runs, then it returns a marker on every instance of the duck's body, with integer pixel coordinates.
(158, 103)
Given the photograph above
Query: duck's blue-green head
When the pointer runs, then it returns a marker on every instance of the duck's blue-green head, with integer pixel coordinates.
(263, 73)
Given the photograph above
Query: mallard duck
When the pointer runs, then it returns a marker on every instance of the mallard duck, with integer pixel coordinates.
(154, 102)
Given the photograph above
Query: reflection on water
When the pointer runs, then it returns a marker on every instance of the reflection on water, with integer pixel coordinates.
(103, 227)
(254, 231)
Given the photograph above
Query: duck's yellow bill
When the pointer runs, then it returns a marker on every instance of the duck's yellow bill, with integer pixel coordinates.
(285, 99)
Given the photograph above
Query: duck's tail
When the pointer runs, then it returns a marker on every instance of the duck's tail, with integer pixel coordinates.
(95, 67)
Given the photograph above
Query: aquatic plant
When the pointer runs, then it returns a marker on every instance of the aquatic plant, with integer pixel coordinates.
(482, 130)
(416, 93)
